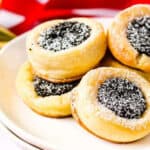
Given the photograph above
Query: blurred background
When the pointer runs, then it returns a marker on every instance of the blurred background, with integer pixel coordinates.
(19, 16)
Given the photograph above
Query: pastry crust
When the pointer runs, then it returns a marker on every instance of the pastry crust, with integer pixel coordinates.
(109, 61)
(101, 121)
(70, 64)
(51, 106)
(118, 42)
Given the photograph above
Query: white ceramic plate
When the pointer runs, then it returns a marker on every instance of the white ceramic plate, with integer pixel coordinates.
(46, 133)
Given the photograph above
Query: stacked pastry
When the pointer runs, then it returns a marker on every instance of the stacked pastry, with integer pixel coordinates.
(115, 102)
(111, 101)
(59, 52)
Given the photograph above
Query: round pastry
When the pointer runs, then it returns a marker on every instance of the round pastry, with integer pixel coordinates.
(129, 37)
(113, 104)
(46, 98)
(64, 50)
(110, 61)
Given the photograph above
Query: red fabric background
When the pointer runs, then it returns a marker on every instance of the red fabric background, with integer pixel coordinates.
(36, 12)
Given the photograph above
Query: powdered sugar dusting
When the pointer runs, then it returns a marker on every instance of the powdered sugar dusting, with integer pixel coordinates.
(64, 35)
(138, 34)
(123, 97)
(133, 124)
(46, 88)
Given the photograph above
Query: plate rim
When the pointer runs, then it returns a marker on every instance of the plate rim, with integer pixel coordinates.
(10, 124)
(15, 139)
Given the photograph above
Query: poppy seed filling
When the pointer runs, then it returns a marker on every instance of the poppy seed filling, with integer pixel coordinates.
(45, 88)
(138, 34)
(64, 35)
(123, 97)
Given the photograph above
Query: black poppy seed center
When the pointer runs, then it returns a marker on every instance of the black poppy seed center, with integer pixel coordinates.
(64, 35)
(138, 34)
(45, 88)
(123, 97)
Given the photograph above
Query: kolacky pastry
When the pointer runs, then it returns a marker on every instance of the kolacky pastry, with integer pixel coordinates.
(44, 97)
(110, 61)
(114, 104)
(64, 50)
(129, 37)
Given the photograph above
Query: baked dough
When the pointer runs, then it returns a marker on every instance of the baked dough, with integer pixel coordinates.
(101, 121)
(70, 64)
(118, 42)
(51, 106)
(110, 61)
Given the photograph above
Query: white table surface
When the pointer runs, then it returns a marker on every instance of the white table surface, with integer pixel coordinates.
(6, 142)
(9, 141)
